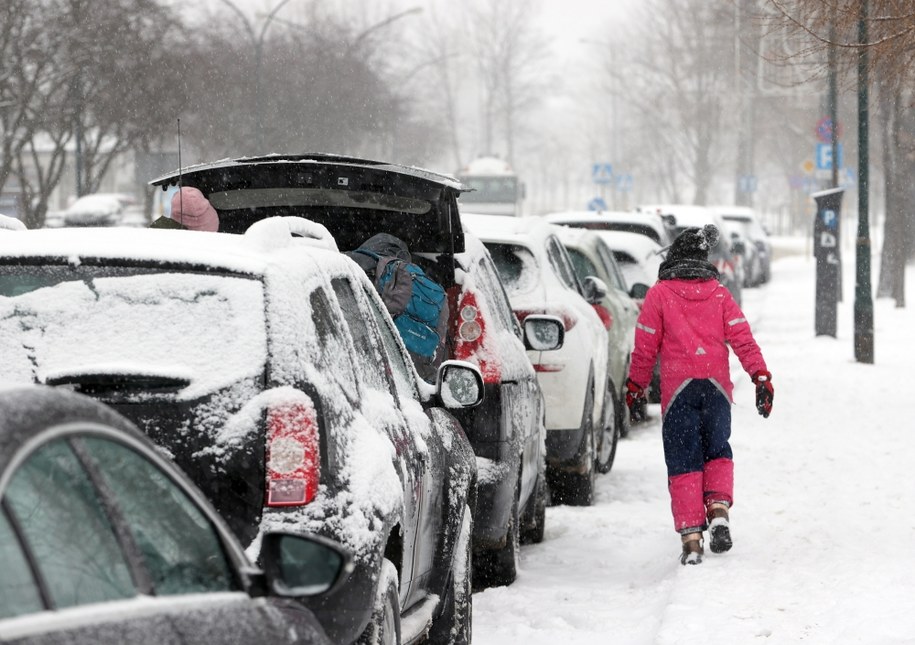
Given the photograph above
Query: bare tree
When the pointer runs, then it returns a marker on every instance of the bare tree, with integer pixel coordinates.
(509, 51)
(891, 55)
(681, 84)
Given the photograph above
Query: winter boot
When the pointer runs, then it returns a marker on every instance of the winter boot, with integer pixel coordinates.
(692, 548)
(719, 528)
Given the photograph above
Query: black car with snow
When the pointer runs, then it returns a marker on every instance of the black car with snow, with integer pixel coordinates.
(104, 542)
(356, 199)
(266, 366)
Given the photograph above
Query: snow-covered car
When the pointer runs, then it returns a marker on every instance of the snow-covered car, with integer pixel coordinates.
(591, 256)
(723, 256)
(103, 540)
(649, 224)
(507, 430)
(267, 366)
(539, 279)
(639, 259)
(99, 209)
(751, 229)
(356, 199)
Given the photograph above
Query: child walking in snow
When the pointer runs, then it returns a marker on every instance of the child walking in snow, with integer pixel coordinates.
(690, 318)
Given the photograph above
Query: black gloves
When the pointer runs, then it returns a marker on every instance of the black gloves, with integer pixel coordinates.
(764, 392)
(636, 401)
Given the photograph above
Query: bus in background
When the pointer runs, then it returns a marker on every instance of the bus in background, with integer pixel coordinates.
(496, 188)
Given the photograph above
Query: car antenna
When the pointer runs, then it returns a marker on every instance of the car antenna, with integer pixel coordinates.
(180, 179)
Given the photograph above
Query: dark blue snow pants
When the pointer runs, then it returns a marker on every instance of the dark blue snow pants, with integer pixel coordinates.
(696, 428)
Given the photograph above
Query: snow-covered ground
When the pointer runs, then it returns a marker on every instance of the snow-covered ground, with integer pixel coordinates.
(823, 521)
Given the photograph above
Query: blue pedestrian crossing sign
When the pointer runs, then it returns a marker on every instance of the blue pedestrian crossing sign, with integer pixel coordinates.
(597, 204)
(602, 173)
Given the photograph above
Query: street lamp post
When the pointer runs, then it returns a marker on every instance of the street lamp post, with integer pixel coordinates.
(864, 304)
(257, 40)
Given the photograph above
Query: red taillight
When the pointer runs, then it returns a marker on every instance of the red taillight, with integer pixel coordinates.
(470, 336)
(568, 317)
(293, 454)
(547, 367)
(605, 316)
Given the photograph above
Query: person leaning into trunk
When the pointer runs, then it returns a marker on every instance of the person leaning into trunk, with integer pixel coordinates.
(690, 318)
(191, 211)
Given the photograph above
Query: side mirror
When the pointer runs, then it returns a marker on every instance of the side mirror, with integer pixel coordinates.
(300, 566)
(594, 289)
(543, 333)
(738, 247)
(460, 385)
(638, 291)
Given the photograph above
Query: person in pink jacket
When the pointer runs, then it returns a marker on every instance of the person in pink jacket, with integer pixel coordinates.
(690, 318)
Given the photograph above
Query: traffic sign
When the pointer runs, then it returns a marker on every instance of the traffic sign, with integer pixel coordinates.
(597, 204)
(624, 183)
(824, 156)
(747, 184)
(824, 130)
(602, 173)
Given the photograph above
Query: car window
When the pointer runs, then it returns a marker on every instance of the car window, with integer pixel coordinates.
(560, 264)
(609, 263)
(367, 359)
(181, 548)
(489, 279)
(516, 265)
(67, 530)
(404, 380)
(335, 353)
(581, 263)
(18, 592)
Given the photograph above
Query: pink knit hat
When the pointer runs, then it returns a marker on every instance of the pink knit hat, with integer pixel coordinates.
(191, 209)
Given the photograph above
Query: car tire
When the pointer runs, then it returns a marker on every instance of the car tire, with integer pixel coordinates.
(605, 453)
(535, 527)
(499, 567)
(384, 625)
(454, 624)
(624, 418)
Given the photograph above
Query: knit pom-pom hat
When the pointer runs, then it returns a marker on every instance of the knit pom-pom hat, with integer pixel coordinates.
(687, 258)
(194, 211)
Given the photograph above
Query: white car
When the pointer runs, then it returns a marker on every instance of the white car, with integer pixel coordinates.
(539, 279)
(745, 219)
(649, 224)
(591, 256)
(99, 209)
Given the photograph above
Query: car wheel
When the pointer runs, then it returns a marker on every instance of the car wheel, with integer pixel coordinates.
(536, 524)
(456, 618)
(384, 626)
(499, 567)
(610, 434)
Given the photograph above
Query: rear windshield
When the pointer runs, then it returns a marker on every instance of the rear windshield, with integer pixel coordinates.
(184, 333)
(629, 227)
(516, 265)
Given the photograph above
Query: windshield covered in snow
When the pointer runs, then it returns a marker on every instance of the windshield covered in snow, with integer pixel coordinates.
(183, 333)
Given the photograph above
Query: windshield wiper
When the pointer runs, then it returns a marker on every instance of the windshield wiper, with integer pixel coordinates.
(102, 384)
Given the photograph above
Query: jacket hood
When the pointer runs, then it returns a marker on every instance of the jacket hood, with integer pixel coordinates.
(691, 289)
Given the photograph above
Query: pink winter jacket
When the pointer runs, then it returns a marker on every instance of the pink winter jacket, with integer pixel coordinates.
(689, 322)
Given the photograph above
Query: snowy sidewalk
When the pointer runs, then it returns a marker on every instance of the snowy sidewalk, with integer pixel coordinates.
(824, 516)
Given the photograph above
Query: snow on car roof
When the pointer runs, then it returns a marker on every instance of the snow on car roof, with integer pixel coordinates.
(249, 253)
(491, 228)
(635, 243)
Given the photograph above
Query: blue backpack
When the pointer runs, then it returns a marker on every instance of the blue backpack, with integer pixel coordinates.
(418, 324)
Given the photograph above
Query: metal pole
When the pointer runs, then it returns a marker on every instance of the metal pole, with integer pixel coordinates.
(864, 304)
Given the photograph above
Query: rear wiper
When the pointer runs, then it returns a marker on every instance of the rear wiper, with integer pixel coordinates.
(101, 384)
